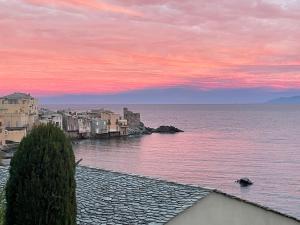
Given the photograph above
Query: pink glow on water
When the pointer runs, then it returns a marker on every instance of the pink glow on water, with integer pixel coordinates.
(220, 145)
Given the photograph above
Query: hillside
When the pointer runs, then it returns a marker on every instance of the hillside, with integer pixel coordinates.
(285, 100)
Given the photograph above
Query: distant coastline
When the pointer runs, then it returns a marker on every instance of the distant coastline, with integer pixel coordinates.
(294, 100)
(174, 95)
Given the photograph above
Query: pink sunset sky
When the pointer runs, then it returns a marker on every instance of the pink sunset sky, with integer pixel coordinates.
(109, 46)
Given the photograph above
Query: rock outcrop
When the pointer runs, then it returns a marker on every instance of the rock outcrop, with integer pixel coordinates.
(142, 130)
(139, 130)
(167, 130)
(244, 182)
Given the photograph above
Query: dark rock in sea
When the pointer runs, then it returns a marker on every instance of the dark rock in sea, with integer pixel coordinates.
(244, 182)
(167, 130)
(143, 130)
(148, 130)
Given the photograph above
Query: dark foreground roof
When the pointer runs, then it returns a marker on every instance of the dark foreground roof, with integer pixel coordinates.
(106, 197)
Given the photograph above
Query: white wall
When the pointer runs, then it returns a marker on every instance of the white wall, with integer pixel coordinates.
(15, 135)
(218, 209)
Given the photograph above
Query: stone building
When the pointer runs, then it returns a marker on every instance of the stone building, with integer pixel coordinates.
(19, 110)
(115, 125)
(76, 125)
(11, 134)
(95, 113)
(20, 113)
(53, 118)
(98, 127)
(112, 121)
(123, 126)
(84, 127)
(70, 124)
(133, 119)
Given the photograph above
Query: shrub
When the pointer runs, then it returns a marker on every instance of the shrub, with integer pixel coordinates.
(1, 158)
(2, 207)
(41, 186)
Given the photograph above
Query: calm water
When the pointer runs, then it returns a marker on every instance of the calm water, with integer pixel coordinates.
(221, 143)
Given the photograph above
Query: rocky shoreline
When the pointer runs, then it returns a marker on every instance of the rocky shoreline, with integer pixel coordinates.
(143, 130)
(6, 152)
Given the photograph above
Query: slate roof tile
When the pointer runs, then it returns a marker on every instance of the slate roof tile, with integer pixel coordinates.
(105, 197)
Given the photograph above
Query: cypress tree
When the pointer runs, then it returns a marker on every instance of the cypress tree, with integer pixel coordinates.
(41, 186)
(2, 207)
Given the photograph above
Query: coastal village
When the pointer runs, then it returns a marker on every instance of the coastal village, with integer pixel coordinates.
(19, 113)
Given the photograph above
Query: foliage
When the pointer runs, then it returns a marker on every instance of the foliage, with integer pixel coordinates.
(41, 185)
(2, 207)
(0, 159)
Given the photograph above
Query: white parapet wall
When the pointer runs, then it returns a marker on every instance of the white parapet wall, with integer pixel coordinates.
(15, 135)
(220, 209)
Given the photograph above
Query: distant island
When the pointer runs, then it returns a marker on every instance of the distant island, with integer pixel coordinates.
(294, 100)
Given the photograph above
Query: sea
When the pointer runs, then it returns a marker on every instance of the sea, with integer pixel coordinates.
(220, 144)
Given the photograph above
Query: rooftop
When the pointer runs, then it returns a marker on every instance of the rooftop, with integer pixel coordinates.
(17, 95)
(105, 197)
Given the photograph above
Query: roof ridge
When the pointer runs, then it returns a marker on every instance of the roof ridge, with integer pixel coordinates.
(255, 204)
(17, 95)
(191, 188)
(208, 189)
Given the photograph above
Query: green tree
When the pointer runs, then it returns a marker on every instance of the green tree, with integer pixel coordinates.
(2, 207)
(41, 186)
(1, 157)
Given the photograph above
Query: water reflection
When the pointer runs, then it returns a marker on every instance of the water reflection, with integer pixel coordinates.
(221, 144)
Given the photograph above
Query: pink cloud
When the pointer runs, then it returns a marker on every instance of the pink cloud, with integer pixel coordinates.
(89, 4)
(93, 46)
